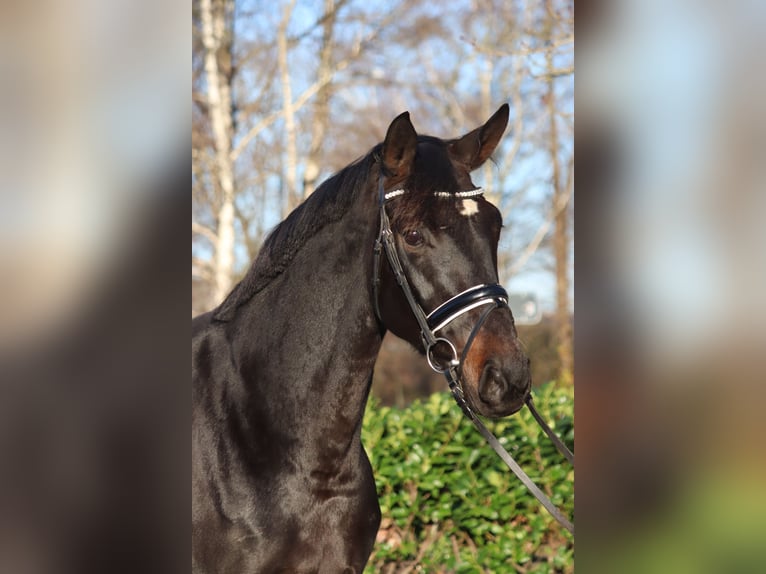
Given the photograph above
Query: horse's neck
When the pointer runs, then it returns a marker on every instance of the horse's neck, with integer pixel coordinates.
(313, 339)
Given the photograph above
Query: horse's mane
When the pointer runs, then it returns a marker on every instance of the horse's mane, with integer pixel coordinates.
(329, 202)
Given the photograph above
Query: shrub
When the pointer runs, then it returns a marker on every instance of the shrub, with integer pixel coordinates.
(449, 504)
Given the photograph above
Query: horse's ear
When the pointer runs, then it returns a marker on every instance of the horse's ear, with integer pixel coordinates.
(476, 146)
(399, 146)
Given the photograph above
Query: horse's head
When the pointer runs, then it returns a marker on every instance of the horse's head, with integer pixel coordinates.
(446, 238)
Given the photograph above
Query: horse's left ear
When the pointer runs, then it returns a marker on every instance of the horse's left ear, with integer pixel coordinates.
(476, 146)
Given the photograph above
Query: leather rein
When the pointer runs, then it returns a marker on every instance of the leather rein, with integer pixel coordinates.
(493, 296)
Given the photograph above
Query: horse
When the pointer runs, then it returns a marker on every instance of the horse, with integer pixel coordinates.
(281, 370)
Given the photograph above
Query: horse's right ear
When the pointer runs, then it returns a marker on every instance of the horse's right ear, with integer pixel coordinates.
(399, 146)
(474, 148)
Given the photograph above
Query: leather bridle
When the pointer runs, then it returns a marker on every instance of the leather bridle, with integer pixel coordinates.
(491, 295)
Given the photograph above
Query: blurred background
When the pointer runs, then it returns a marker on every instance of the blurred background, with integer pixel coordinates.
(671, 276)
(94, 406)
(283, 97)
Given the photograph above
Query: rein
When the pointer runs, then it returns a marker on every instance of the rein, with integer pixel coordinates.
(495, 297)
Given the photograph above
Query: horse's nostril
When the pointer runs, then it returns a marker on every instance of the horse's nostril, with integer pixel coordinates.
(493, 385)
(497, 384)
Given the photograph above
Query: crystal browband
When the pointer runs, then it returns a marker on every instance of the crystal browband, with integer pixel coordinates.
(459, 194)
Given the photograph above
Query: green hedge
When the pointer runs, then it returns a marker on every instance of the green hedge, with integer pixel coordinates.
(449, 504)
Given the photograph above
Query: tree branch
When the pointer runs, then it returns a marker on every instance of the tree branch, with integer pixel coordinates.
(555, 73)
(202, 269)
(522, 50)
(204, 231)
(307, 94)
(544, 228)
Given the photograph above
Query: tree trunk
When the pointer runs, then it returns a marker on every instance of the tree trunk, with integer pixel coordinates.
(490, 192)
(291, 167)
(216, 36)
(560, 239)
(322, 103)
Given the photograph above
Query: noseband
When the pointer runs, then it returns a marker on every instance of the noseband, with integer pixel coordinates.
(491, 295)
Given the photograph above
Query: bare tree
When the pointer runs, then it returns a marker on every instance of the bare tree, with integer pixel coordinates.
(216, 19)
(321, 115)
(288, 111)
(316, 82)
(561, 238)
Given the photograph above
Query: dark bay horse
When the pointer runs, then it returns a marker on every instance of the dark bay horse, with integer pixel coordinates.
(282, 368)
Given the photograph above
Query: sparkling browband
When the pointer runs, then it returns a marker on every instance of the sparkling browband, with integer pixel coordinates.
(460, 194)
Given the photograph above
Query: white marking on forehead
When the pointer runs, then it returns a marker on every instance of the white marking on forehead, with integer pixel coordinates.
(469, 207)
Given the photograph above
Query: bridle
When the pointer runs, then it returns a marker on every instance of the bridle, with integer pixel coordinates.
(493, 296)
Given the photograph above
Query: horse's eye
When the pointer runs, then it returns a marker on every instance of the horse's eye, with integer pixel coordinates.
(413, 237)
